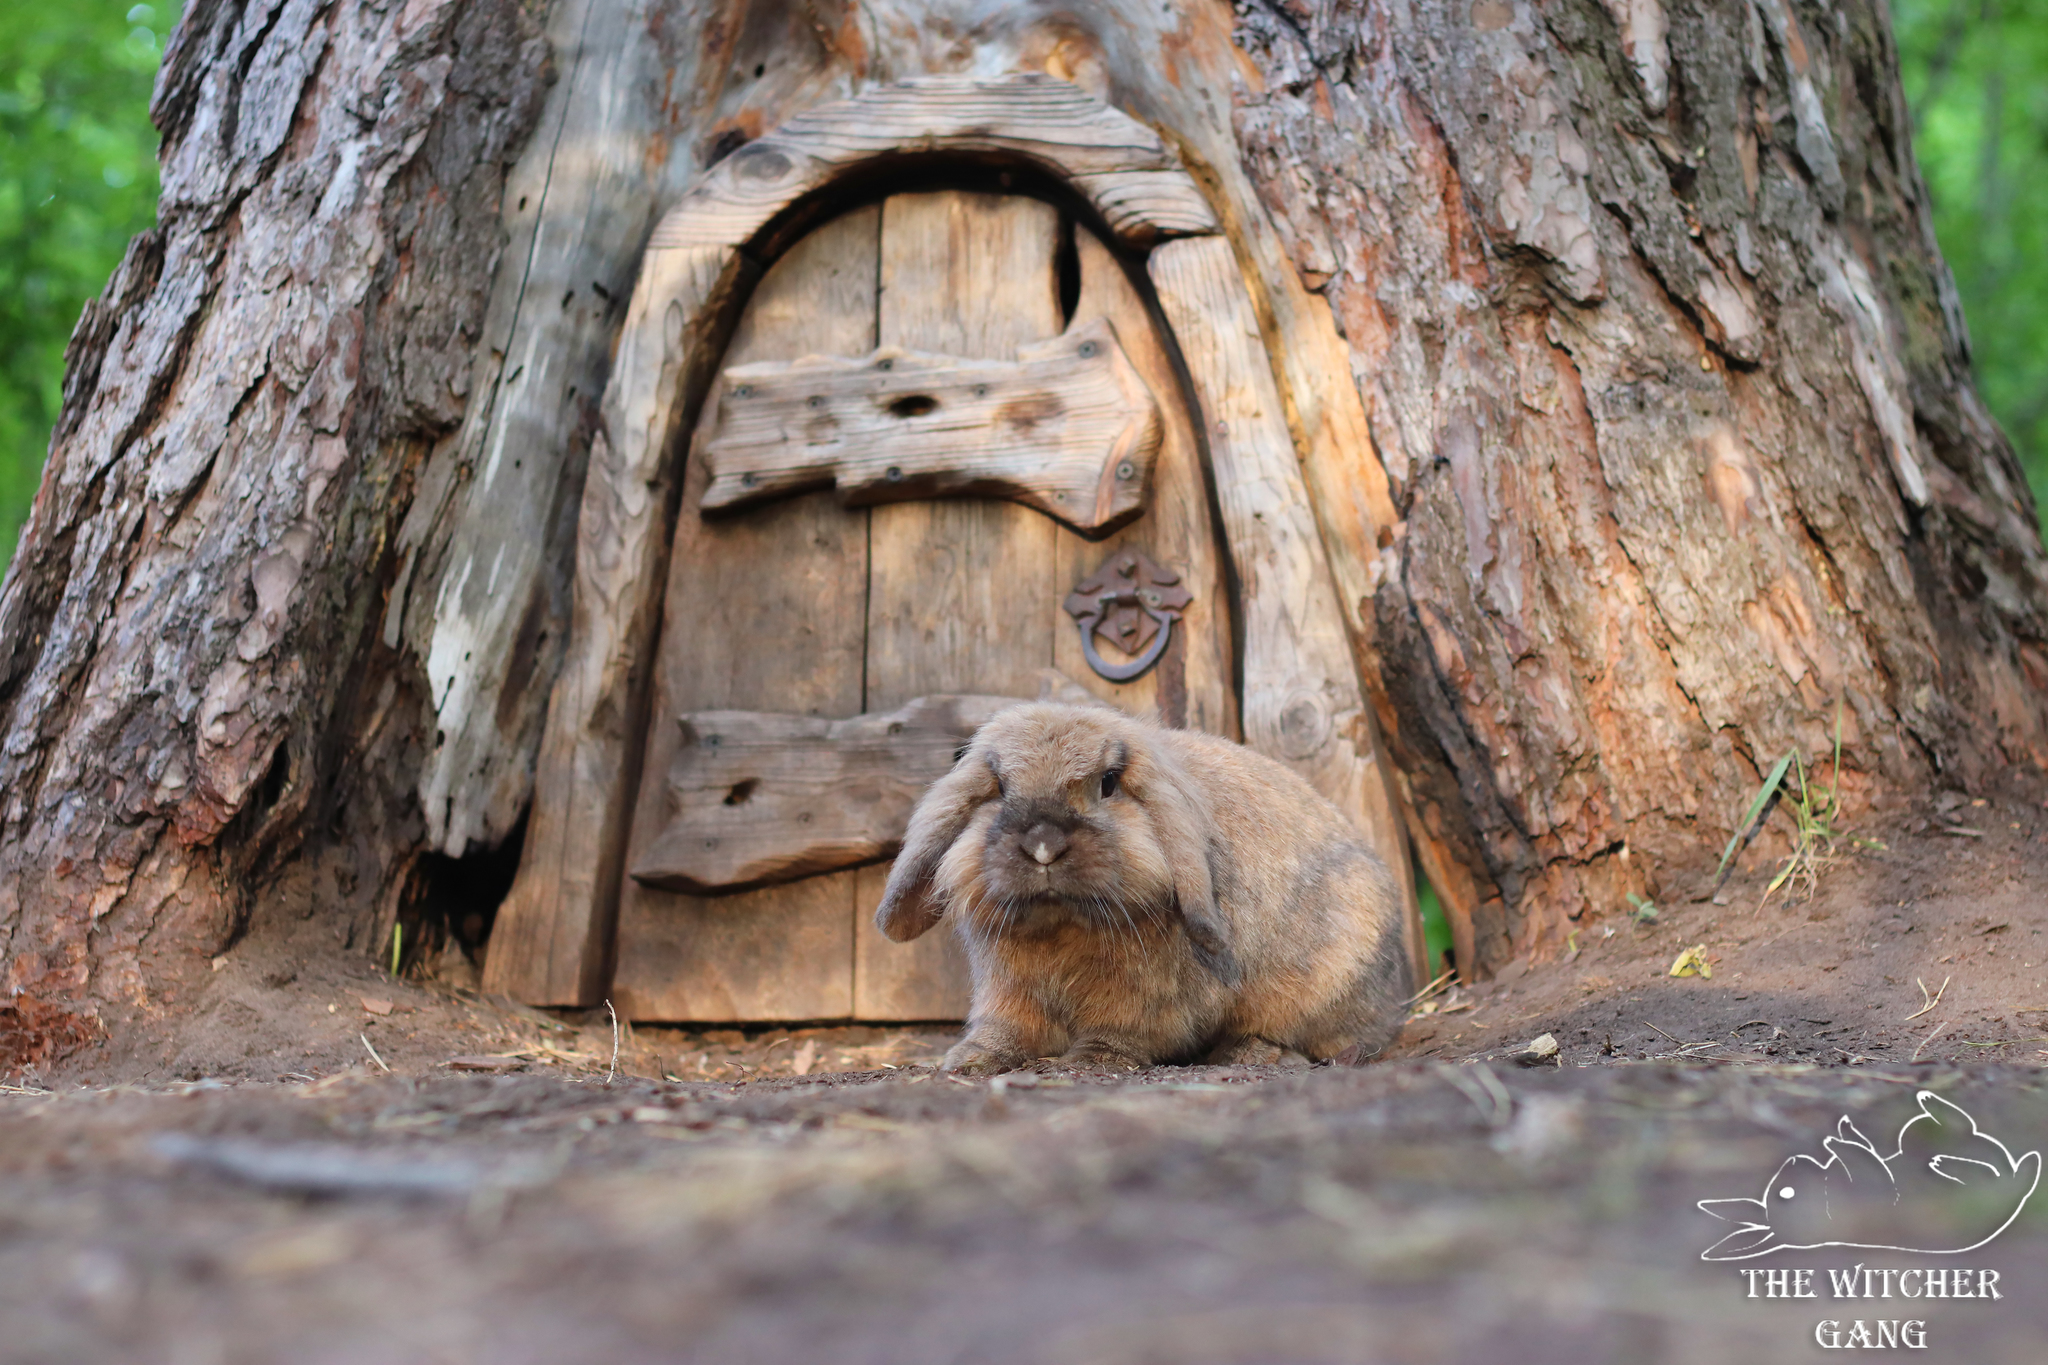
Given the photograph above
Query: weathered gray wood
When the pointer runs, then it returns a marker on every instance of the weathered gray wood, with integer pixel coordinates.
(484, 587)
(553, 934)
(759, 797)
(1124, 168)
(1302, 701)
(1192, 685)
(1068, 428)
(898, 982)
(963, 595)
(560, 907)
(777, 954)
(760, 610)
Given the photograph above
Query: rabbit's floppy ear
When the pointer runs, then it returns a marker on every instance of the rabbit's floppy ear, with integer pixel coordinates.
(909, 906)
(1182, 825)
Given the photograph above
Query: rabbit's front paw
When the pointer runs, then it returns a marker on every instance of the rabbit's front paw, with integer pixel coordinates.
(970, 1058)
(1098, 1056)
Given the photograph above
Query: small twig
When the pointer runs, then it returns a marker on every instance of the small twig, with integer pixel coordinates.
(613, 1069)
(373, 1052)
(1431, 989)
(1928, 1039)
(1680, 1041)
(1931, 1001)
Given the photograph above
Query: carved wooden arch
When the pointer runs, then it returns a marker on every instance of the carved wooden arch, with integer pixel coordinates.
(1302, 700)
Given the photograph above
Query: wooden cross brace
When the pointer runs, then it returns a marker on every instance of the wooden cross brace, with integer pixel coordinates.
(1068, 427)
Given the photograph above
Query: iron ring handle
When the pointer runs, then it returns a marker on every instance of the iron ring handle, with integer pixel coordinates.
(1136, 667)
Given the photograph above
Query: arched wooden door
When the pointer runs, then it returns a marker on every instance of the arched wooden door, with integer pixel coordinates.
(787, 616)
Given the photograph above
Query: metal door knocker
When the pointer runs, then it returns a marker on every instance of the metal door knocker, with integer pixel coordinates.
(1132, 603)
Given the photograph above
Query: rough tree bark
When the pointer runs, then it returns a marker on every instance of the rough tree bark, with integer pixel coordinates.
(1628, 383)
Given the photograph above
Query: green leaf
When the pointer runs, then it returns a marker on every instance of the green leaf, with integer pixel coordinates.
(78, 178)
(1755, 809)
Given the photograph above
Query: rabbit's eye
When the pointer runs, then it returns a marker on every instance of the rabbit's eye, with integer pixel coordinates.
(1109, 781)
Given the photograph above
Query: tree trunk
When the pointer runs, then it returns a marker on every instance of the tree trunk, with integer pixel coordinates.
(1629, 389)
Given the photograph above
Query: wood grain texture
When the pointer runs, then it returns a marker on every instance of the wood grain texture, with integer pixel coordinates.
(963, 596)
(553, 934)
(1123, 167)
(755, 798)
(763, 610)
(1192, 686)
(778, 954)
(485, 583)
(1068, 428)
(962, 593)
(1302, 701)
(926, 978)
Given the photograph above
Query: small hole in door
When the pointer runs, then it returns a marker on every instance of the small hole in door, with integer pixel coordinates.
(913, 405)
(742, 792)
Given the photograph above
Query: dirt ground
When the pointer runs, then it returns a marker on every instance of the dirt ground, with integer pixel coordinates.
(299, 1158)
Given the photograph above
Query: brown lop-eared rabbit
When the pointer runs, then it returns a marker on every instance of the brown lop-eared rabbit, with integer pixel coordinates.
(1130, 895)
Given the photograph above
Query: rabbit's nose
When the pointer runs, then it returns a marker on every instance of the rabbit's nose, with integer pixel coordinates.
(1045, 843)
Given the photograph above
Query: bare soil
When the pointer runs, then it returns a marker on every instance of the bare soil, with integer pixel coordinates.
(296, 1157)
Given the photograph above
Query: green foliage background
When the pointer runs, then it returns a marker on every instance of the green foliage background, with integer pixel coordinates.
(1976, 76)
(78, 178)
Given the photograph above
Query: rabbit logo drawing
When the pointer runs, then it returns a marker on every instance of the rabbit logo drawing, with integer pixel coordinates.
(1947, 1187)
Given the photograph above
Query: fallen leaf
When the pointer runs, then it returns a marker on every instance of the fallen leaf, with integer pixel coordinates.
(484, 1063)
(1541, 1049)
(806, 1057)
(1692, 962)
(374, 1005)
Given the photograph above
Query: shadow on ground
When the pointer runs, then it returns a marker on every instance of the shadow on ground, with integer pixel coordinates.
(1408, 1212)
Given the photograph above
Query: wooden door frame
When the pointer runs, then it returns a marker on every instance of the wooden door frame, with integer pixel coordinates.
(1302, 700)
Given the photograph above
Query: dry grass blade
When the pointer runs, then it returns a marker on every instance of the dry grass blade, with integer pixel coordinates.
(1932, 1001)
(1431, 989)
(373, 1053)
(1928, 1039)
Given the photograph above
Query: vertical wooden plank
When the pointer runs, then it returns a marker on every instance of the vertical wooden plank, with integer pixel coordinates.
(551, 944)
(923, 979)
(963, 594)
(1192, 686)
(1302, 701)
(764, 612)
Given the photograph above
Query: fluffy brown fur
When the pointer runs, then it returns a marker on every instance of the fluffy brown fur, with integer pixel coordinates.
(1130, 895)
